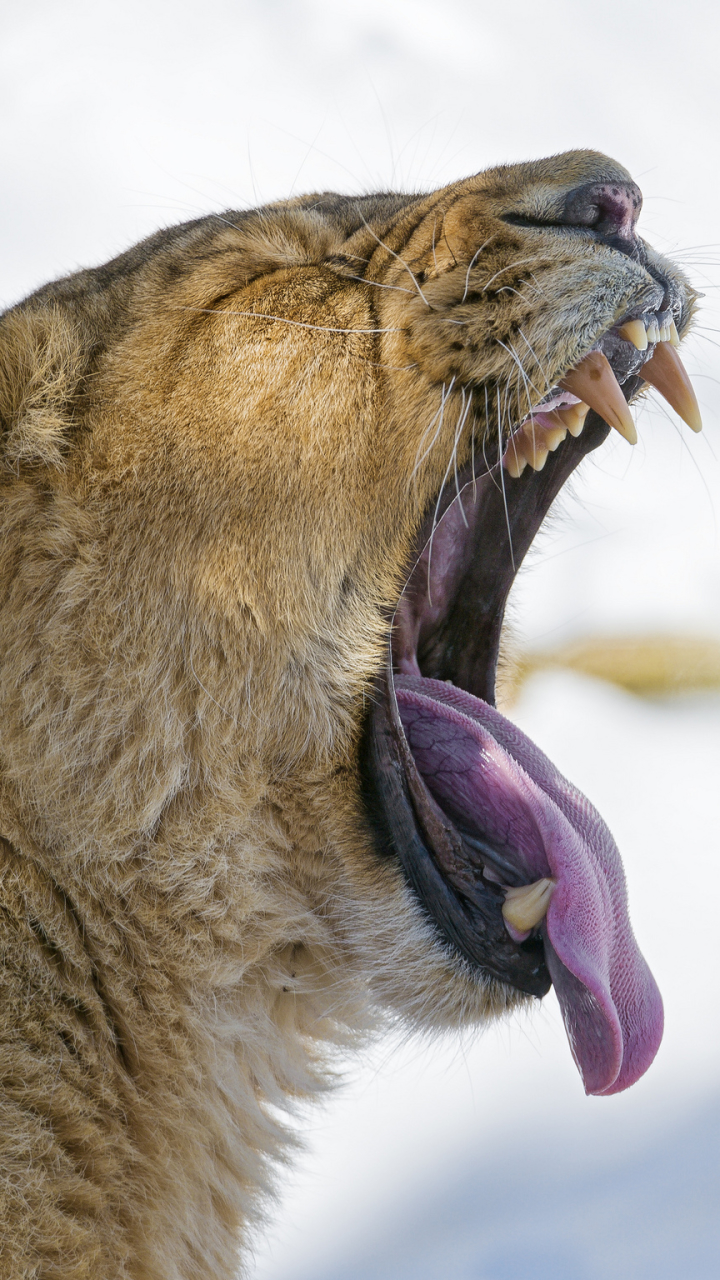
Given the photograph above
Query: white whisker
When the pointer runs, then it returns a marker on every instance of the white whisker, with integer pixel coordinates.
(537, 361)
(443, 399)
(502, 483)
(526, 380)
(458, 432)
(471, 264)
(377, 284)
(299, 324)
(510, 267)
(399, 259)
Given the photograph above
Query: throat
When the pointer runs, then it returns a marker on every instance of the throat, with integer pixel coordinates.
(449, 618)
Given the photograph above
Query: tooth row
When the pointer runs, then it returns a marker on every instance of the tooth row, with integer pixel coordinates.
(595, 386)
(540, 434)
(652, 328)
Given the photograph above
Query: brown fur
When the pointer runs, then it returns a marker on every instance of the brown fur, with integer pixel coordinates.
(206, 512)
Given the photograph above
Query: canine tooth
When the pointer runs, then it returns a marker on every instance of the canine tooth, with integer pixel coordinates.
(574, 415)
(634, 331)
(666, 372)
(525, 907)
(674, 338)
(594, 382)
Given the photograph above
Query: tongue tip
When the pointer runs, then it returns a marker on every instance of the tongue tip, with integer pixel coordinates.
(614, 1034)
(638, 1053)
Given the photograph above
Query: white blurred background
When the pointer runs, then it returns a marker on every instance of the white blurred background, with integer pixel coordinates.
(476, 1159)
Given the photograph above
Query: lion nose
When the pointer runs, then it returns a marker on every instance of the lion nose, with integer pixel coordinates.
(610, 208)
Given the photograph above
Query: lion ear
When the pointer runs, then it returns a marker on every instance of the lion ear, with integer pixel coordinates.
(42, 359)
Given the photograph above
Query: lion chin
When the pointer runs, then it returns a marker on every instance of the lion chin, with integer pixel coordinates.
(266, 482)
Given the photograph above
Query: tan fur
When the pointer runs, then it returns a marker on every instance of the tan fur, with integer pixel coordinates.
(206, 512)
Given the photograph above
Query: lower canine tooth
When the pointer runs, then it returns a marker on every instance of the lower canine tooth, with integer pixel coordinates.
(594, 382)
(666, 372)
(525, 907)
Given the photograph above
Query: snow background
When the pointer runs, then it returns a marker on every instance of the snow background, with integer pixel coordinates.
(472, 1158)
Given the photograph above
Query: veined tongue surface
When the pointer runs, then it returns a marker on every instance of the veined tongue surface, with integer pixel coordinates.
(488, 776)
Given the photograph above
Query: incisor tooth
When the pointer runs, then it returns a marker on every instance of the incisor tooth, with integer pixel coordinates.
(525, 907)
(653, 332)
(634, 331)
(666, 372)
(594, 382)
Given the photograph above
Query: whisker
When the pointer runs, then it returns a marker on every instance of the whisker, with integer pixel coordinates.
(510, 267)
(659, 404)
(527, 381)
(398, 258)
(435, 522)
(376, 284)
(299, 324)
(433, 242)
(502, 483)
(472, 262)
(443, 400)
(458, 432)
(537, 361)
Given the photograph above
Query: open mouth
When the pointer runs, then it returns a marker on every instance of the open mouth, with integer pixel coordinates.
(517, 869)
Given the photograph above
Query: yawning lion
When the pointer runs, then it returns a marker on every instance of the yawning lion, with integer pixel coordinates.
(267, 479)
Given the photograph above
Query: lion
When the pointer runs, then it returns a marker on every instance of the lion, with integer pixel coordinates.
(267, 479)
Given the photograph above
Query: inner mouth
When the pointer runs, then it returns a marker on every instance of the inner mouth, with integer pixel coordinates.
(516, 868)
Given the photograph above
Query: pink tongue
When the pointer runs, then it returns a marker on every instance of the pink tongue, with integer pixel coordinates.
(495, 782)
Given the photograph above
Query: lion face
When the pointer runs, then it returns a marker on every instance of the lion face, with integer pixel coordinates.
(268, 479)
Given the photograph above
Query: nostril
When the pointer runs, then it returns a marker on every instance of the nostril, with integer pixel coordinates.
(610, 208)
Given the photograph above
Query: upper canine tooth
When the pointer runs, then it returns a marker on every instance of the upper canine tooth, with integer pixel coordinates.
(674, 338)
(594, 382)
(666, 372)
(634, 331)
(525, 907)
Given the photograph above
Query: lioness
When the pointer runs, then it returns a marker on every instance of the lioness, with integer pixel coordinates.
(266, 482)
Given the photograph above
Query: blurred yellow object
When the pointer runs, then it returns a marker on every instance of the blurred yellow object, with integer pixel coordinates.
(645, 665)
